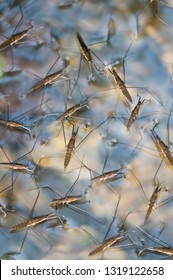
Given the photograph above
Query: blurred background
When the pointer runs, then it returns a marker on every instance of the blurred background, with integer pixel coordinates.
(134, 37)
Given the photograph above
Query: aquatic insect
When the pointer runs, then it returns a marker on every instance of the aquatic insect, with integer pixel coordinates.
(34, 221)
(65, 201)
(134, 113)
(105, 245)
(121, 85)
(15, 125)
(168, 251)
(70, 147)
(72, 110)
(16, 166)
(108, 175)
(14, 39)
(163, 248)
(163, 149)
(69, 200)
(84, 49)
(152, 201)
(150, 205)
(49, 79)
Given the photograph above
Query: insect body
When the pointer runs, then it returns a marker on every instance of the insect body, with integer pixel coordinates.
(16, 166)
(65, 201)
(158, 250)
(34, 221)
(106, 244)
(162, 147)
(152, 201)
(71, 111)
(108, 175)
(84, 49)
(121, 85)
(134, 113)
(48, 79)
(14, 125)
(70, 148)
(15, 38)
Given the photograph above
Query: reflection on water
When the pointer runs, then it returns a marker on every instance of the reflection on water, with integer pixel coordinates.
(137, 42)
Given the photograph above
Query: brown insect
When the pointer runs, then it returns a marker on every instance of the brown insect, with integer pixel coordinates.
(16, 166)
(158, 250)
(15, 38)
(152, 201)
(34, 221)
(15, 125)
(134, 113)
(49, 78)
(84, 49)
(121, 85)
(162, 148)
(65, 201)
(70, 147)
(108, 175)
(105, 245)
(72, 110)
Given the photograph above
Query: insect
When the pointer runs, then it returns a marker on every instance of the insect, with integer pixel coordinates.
(65, 201)
(34, 221)
(49, 79)
(68, 3)
(105, 245)
(72, 110)
(84, 49)
(15, 125)
(15, 38)
(150, 205)
(108, 175)
(162, 148)
(70, 200)
(158, 250)
(152, 201)
(163, 247)
(121, 85)
(134, 113)
(16, 166)
(70, 147)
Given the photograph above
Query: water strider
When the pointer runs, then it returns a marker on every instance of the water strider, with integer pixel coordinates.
(134, 113)
(34, 221)
(70, 147)
(50, 78)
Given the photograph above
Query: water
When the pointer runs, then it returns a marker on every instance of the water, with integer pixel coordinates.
(140, 47)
